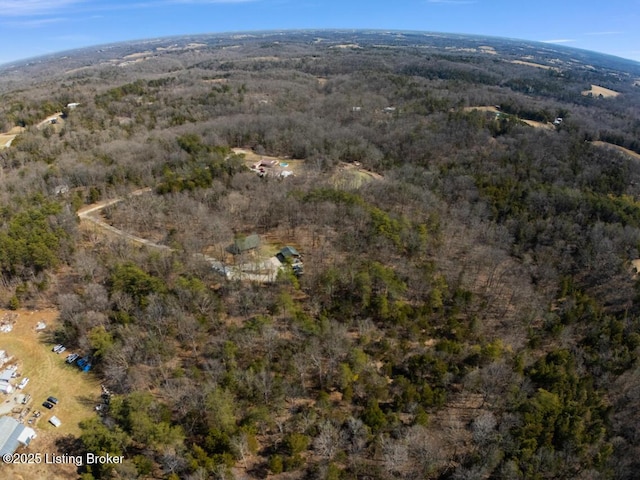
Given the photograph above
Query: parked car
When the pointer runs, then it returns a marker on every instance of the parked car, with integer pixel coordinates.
(48, 405)
(57, 348)
(61, 349)
(84, 363)
(72, 357)
(23, 383)
(53, 400)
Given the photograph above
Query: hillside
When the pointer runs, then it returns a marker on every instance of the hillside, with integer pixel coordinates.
(458, 300)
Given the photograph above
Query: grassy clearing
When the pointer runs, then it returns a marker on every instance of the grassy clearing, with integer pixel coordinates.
(483, 108)
(597, 91)
(6, 139)
(535, 65)
(626, 151)
(535, 124)
(349, 176)
(49, 374)
(494, 109)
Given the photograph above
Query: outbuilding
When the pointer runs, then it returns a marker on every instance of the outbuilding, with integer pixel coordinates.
(288, 253)
(55, 421)
(5, 377)
(244, 244)
(14, 434)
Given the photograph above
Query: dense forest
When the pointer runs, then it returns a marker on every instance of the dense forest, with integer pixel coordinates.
(468, 214)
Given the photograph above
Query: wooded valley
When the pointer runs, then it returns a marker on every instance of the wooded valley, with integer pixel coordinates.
(468, 218)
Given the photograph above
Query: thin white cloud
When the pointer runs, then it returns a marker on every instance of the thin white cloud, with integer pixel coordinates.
(202, 2)
(604, 33)
(74, 38)
(21, 8)
(35, 23)
(560, 40)
(453, 2)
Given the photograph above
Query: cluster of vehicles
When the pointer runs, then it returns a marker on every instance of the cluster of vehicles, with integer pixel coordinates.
(72, 357)
(50, 402)
(83, 363)
(35, 416)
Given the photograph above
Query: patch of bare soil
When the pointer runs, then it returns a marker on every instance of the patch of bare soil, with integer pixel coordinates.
(55, 119)
(8, 137)
(483, 108)
(543, 125)
(350, 175)
(464, 406)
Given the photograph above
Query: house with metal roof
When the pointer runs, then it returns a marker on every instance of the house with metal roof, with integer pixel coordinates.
(6, 375)
(244, 244)
(288, 253)
(5, 378)
(14, 434)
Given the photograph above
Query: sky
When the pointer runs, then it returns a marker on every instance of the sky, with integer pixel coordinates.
(30, 28)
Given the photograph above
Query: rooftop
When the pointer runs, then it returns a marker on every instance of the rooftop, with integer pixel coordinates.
(243, 244)
(13, 434)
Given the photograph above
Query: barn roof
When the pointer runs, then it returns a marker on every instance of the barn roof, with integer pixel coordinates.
(244, 244)
(13, 434)
(289, 251)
